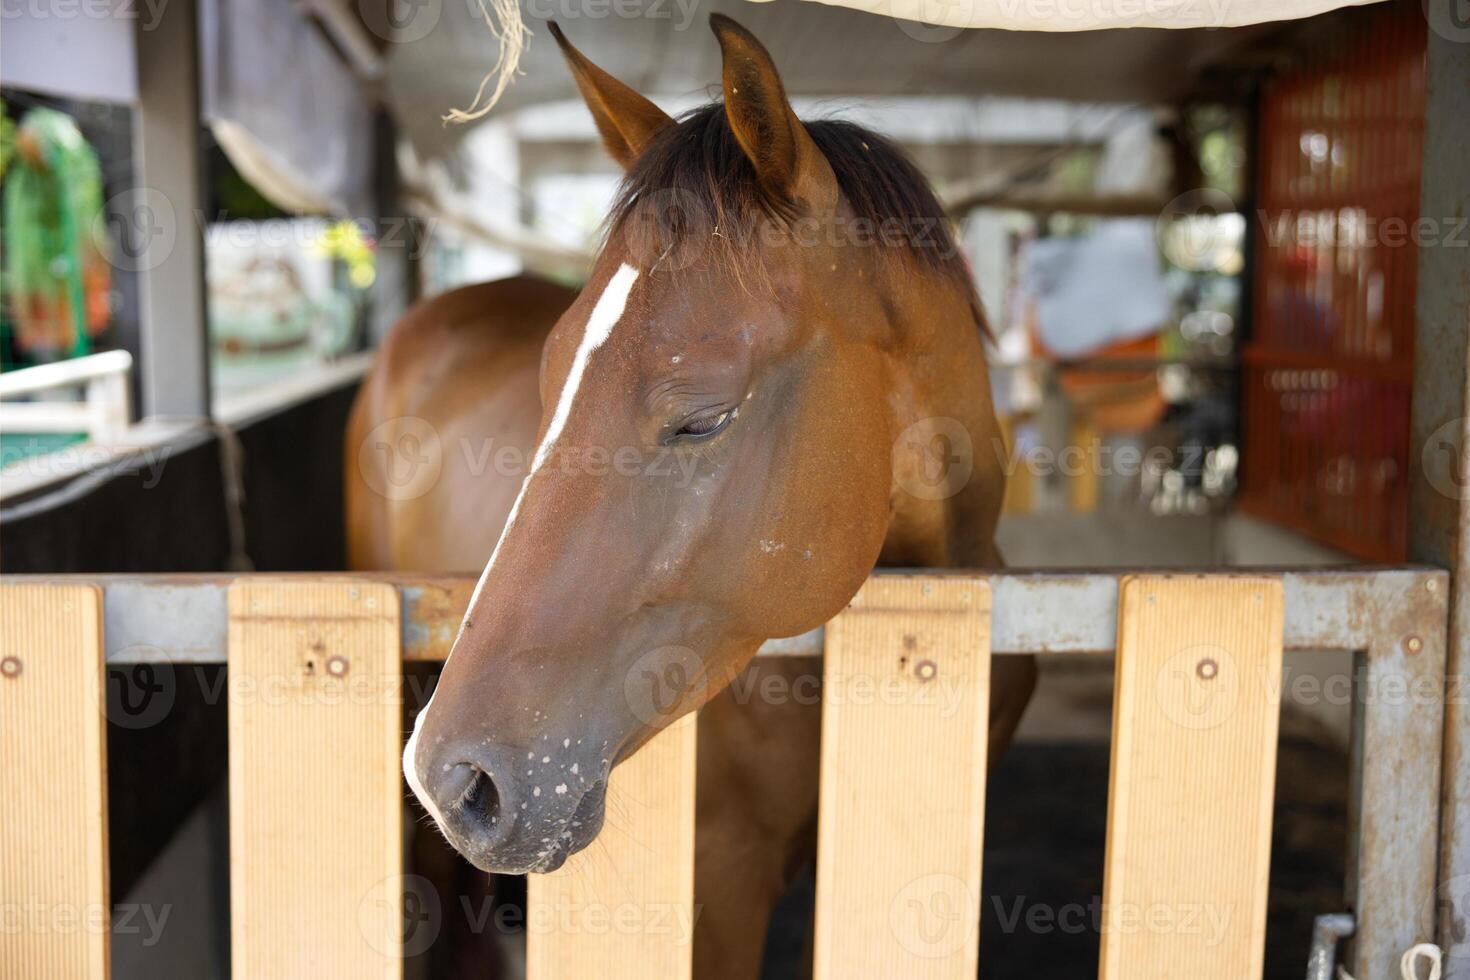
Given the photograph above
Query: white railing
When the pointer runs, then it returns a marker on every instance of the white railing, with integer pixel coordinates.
(103, 413)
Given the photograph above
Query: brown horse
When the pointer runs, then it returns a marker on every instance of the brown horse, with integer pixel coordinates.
(737, 418)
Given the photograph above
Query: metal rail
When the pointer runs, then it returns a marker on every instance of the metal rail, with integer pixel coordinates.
(182, 618)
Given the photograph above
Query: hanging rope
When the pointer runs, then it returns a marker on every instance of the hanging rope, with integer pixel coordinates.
(512, 35)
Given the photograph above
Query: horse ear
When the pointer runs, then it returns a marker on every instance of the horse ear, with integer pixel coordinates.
(786, 160)
(626, 120)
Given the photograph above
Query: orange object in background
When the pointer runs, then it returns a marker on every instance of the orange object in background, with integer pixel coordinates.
(1124, 401)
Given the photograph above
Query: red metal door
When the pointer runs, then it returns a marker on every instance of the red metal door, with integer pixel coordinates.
(1330, 361)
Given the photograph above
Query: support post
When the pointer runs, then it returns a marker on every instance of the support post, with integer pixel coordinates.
(399, 237)
(162, 236)
(1439, 520)
(1398, 726)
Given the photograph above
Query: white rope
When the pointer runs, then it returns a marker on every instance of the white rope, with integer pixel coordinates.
(1409, 963)
(512, 34)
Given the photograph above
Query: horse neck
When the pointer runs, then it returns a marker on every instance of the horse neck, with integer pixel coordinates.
(939, 372)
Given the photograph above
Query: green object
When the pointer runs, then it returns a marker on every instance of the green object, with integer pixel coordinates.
(53, 202)
(16, 446)
(7, 139)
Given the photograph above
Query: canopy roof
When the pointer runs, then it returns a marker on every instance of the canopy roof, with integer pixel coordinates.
(1047, 48)
(293, 109)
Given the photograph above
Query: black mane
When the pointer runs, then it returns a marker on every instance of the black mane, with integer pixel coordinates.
(697, 164)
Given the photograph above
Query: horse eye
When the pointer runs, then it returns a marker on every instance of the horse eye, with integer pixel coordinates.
(705, 426)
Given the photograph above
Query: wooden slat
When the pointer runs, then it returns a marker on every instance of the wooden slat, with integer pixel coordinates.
(316, 797)
(623, 909)
(900, 831)
(1195, 712)
(53, 783)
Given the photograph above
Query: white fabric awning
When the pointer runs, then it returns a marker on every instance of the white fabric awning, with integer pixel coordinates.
(1061, 49)
(1093, 15)
(297, 123)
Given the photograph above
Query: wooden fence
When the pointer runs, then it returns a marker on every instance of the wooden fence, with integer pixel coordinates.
(317, 876)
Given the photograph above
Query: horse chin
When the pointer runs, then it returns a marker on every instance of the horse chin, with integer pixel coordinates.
(582, 829)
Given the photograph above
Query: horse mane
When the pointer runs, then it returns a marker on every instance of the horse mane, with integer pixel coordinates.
(696, 171)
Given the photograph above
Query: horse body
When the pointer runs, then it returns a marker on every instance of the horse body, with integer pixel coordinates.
(781, 430)
(433, 494)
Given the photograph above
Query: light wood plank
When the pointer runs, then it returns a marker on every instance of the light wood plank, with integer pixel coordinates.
(53, 783)
(623, 909)
(1195, 712)
(316, 797)
(900, 832)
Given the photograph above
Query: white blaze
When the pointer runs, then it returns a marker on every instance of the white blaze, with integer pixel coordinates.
(605, 316)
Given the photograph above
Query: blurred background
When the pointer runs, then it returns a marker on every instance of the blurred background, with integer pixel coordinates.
(1192, 242)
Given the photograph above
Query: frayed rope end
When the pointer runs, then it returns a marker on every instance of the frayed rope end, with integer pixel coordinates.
(512, 34)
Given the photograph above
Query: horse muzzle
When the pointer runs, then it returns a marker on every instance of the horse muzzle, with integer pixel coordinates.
(510, 810)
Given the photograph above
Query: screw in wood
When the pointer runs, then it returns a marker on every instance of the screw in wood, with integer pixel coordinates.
(1207, 669)
(926, 670)
(11, 666)
(337, 666)
(1413, 644)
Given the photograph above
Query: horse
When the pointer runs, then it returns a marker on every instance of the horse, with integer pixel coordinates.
(712, 444)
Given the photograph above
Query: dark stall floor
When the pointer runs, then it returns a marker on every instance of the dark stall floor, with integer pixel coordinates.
(1045, 831)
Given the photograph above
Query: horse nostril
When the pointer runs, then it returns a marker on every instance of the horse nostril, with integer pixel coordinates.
(481, 800)
(471, 803)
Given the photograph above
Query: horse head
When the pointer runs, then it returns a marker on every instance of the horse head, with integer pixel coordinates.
(714, 466)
